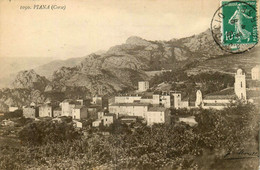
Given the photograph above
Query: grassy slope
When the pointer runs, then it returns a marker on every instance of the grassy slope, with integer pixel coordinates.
(230, 63)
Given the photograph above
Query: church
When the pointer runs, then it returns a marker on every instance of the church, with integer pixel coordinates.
(223, 98)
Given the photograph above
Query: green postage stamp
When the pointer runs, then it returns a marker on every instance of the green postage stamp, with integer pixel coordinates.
(234, 26)
(239, 22)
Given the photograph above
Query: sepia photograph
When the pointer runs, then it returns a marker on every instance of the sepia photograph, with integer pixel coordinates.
(129, 84)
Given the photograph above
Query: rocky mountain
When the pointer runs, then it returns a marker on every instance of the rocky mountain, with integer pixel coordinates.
(29, 79)
(122, 66)
(202, 43)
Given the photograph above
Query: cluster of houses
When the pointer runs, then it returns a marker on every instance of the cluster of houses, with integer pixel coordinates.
(244, 89)
(148, 106)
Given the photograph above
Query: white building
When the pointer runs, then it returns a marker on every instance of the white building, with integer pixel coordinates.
(188, 120)
(30, 112)
(79, 112)
(97, 100)
(240, 84)
(96, 123)
(77, 124)
(223, 98)
(255, 72)
(13, 108)
(67, 106)
(143, 86)
(57, 112)
(45, 110)
(165, 100)
(157, 115)
(108, 119)
(176, 100)
(130, 109)
(127, 99)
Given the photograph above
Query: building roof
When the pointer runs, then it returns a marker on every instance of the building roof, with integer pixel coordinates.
(257, 67)
(109, 114)
(70, 101)
(79, 107)
(192, 103)
(227, 93)
(130, 95)
(130, 104)
(252, 93)
(147, 95)
(57, 109)
(218, 97)
(29, 107)
(159, 109)
(98, 120)
(46, 105)
(128, 117)
(215, 104)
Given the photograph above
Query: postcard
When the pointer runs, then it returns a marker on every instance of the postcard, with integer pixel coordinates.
(129, 84)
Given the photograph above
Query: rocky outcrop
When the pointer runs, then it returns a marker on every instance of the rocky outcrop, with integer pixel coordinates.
(19, 97)
(202, 43)
(30, 80)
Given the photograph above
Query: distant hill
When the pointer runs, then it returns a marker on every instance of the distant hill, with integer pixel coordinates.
(229, 63)
(10, 66)
(48, 68)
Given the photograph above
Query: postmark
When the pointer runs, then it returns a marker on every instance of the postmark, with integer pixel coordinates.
(234, 26)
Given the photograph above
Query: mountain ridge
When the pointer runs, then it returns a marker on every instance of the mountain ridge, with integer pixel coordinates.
(121, 67)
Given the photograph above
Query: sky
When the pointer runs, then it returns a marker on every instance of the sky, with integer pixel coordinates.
(87, 26)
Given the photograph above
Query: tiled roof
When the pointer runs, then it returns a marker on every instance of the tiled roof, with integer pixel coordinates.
(57, 109)
(152, 109)
(109, 114)
(70, 101)
(130, 104)
(252, 93)
(129, 117)
(215, 104)
(192, 103)
(79, 107)
(216, 97)
(227, 91)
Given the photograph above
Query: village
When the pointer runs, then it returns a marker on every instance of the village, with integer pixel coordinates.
(142, 105)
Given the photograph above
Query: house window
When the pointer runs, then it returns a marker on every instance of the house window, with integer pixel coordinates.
(241, 84)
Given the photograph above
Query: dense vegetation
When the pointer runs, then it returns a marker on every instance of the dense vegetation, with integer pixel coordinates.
(207, 82)
(212, 144)
(43, 132)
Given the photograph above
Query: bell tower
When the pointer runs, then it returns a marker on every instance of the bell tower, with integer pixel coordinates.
(199, 100)
(240, 84)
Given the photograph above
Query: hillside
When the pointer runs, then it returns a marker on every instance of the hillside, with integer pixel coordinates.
(28, 79)
(229, 63)
(122, 66)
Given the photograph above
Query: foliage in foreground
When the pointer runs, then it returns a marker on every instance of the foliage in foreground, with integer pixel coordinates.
(161, 146)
